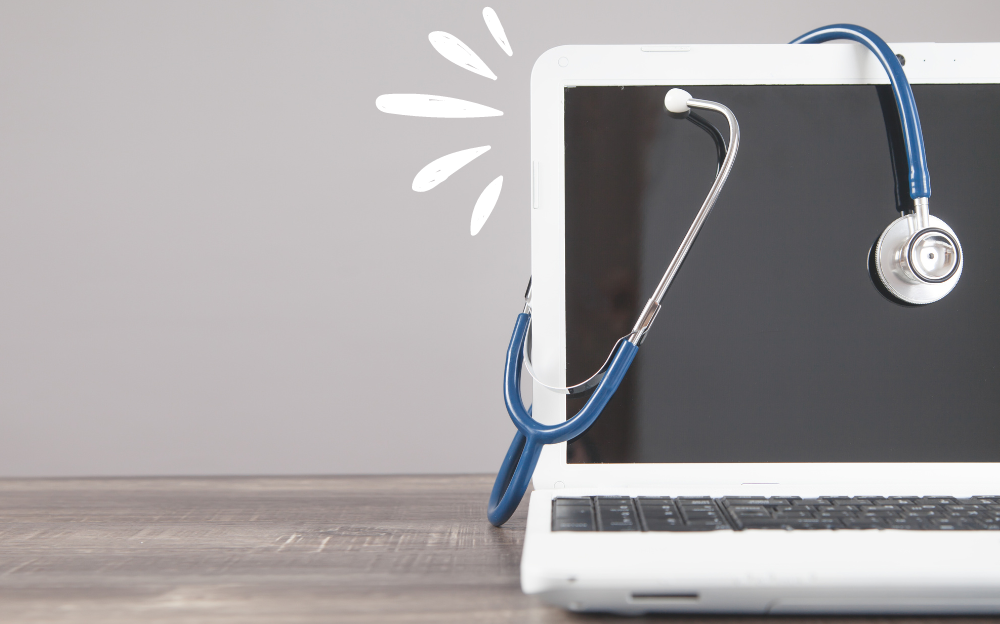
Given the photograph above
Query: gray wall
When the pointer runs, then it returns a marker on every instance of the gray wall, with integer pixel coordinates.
(211, 260)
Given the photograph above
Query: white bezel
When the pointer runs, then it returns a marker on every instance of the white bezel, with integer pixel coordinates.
(710, 65)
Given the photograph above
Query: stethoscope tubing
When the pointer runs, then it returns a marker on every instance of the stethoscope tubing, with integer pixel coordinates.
(526, 447)
(916, 155)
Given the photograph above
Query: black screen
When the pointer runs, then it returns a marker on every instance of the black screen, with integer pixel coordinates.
(773, 344)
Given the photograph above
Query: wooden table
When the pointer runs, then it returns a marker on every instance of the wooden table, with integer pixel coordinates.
(282, 549)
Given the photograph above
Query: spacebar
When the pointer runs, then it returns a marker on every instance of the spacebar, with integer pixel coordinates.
(791, 523)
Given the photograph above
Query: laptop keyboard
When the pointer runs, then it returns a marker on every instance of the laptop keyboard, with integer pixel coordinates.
(647, 513)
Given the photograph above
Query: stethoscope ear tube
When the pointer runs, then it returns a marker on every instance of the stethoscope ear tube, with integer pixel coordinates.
(522, 456)
(916, 155)
(576, 390)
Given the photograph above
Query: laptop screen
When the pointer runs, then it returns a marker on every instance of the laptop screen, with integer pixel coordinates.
(773, 344)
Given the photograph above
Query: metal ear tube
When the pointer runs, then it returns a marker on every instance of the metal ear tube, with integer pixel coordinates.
(522, 456)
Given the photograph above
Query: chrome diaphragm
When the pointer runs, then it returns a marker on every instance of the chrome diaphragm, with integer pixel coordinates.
(918, 258)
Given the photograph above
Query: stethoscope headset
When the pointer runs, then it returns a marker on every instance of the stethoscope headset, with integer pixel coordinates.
(917, 259)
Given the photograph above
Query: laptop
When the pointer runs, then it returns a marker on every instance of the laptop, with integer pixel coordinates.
(788, 440)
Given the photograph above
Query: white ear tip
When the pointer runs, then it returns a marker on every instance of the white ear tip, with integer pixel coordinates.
(677, 101)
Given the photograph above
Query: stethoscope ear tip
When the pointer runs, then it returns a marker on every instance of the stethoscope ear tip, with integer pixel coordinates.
(676, 102)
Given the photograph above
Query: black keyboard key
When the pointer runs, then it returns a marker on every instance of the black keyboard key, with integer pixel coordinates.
(697, 508)
(715, 525)
(971, 515)
(791, 524)
(656, 502)
(573, 514)
(581, 519)
(837, 513)
(880, 514)
(744, 500)
(563, 502)
(864, 523)
(786, 515)
(700, 516)
(811, 501)
(908, 523)
(955, 523)
(751, 514)
(616, 514)
(692, 500)
(658, 506)
(686, 526)
(659, 514)
(839, 500)
(571, 511)
(666, 524)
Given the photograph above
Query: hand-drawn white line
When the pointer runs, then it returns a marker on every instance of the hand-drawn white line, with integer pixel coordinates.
(418, 105)
(439, 170)
(452, 48)
(485, 204)
(496, 29)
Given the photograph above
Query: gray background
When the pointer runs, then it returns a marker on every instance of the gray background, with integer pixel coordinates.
(211, 260)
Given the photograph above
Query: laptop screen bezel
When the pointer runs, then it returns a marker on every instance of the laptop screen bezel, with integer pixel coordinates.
(664, 65)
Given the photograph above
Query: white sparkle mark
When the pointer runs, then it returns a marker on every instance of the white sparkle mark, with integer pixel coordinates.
(417, 105)
(484, 205)
(496, 29)
(439, 170)
(452, 48)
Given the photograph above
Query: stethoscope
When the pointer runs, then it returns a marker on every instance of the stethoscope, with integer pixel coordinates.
(918, 260)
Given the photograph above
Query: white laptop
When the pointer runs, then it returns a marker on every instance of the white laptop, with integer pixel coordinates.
(788, 439)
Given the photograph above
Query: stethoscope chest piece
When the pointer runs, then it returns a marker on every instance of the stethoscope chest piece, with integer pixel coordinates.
(918, 258)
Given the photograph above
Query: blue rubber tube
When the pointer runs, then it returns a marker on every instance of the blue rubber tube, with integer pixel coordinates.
(920, 177)
(522, 456)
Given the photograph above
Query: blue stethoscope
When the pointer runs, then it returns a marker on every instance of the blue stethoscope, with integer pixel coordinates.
(918, 260)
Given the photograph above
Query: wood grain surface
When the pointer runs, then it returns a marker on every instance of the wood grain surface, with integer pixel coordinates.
(288, 549)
